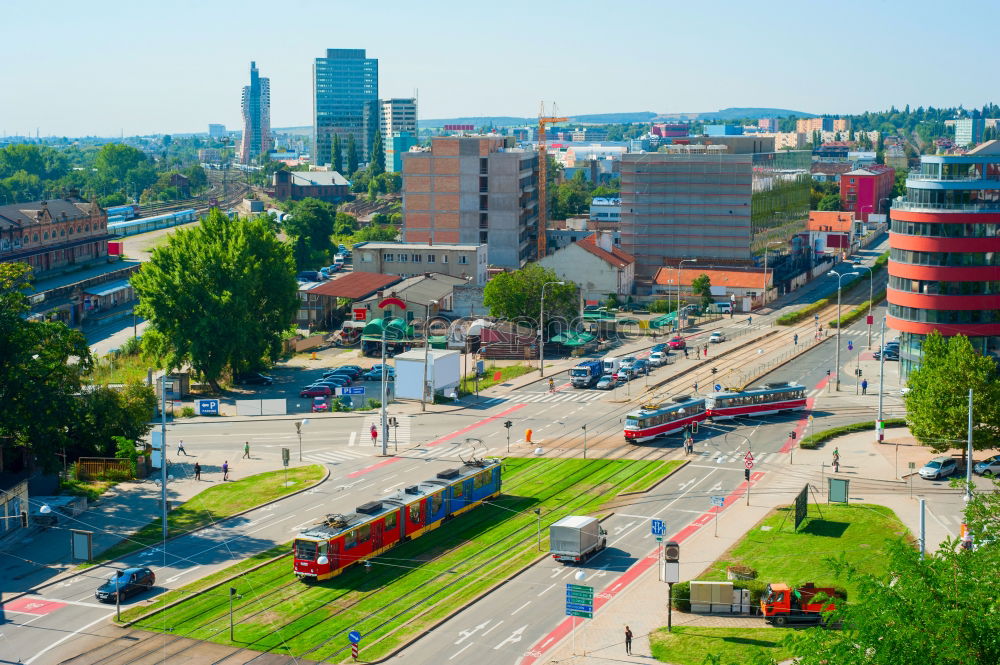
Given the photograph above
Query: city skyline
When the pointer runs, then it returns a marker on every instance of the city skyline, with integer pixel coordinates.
(177, 71)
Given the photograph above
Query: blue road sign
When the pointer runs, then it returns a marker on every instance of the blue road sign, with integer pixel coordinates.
(354, 636)
(351, 390)
(719, 501)
(850, 345)
(208, 407)
(658, 528)
(579, 607)
(718, 387)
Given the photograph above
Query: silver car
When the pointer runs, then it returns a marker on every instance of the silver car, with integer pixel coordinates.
(990, 465)
(939, 467)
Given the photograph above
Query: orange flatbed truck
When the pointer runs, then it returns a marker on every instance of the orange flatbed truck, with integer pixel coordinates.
(782, 604)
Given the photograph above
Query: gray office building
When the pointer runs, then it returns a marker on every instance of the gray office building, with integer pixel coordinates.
(710, 202)
(345, 102)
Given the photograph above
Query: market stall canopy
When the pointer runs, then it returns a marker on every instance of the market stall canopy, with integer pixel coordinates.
(396, 330)
(573, 339)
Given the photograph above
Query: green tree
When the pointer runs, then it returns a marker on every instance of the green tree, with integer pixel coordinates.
(702, 286)
(337, 155)
(219, 295)
(829, 202)
(376, 160)
(372, 190)
(352, 154)
(345, 224)
(310, 226)
(937, 402)
(518, 294)
(102, 413)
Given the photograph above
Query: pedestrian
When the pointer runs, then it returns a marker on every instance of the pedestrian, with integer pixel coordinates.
(705, 349)
(374, 433)
(689, 445)
(864, 386)
(749, 321)
(836, 460)
(225, 470)
(246, 450)
(685, 352)
(795, 339)
(552, 386)
(197, 471)
(628, 641)
(695, 386)
(180, 449)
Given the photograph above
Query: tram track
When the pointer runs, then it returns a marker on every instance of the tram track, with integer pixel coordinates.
(521, 537)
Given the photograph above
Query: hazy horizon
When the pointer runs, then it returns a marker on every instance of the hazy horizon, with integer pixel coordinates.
(159, 68)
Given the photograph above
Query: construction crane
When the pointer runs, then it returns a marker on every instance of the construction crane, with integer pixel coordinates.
(543, 167)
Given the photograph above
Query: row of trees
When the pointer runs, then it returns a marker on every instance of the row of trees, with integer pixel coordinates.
(47, 410)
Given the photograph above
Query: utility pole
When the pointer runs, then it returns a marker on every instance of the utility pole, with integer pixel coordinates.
(968, 455)
(879, 429)
(385, 426)
(163, 454)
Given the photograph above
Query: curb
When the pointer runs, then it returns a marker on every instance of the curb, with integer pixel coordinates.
(62, 578)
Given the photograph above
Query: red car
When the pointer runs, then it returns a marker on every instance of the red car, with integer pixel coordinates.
(316, 391)
(677, 342)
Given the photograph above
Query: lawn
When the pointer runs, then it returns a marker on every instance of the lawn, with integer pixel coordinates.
(507, 373)
(858, 532)
(119, 368)
(409, 588)
(216, 503)
(645, 482)
(688, 645)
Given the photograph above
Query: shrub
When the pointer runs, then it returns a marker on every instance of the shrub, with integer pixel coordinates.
(813, 441)
(857, 312)
(187, 412)
(373, 403)
(794, 317)
(680, 596)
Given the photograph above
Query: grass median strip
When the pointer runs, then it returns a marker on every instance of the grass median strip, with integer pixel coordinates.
(217, 502)
(414, 585)
(688, 645)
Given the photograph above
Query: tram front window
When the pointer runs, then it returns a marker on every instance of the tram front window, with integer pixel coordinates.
(631, 422)
(305, 549)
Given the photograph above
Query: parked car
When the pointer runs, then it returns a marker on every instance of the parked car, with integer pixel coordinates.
(129, 583)
(640, 366)
(717, 336)
(990, 465)
(890, 354)
(627, 362)
(658, 359)
(939, 467)
(677, 342)
(309, 276)
(334, 381)
(320, 405)
(658, 348)
(254, 379)
(375, 374)
(314, 391)
(343, 371)
(607, 382)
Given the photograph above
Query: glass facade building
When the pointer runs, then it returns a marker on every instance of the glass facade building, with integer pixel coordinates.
(345, 102)
(710, 205)
(944, 257)
(256, 106)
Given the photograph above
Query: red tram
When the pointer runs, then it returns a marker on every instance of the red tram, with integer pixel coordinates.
(766, 400)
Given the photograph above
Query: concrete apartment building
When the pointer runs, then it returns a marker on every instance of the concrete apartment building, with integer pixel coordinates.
(409, 259)
(398, 124)
(810, 125)
(473, 190)
(216, 131)
(345, 102)
(256, 104)
(716, 203)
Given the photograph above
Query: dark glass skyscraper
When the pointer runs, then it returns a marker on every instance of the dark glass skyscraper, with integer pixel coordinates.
(345, 102)
(256, 117)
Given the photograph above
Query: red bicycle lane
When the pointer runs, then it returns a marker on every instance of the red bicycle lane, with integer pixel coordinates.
(555, 636)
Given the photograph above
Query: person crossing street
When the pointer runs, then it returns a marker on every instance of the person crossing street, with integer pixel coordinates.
(246, 450)
(864, 386)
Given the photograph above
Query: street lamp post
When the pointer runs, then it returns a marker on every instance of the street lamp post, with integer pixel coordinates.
(840, 278)
(677, 312)
(163, 452)
(763, 300)
(584, 428)
(871, 294)
(298, 428)
(541, 331)
(427, 346)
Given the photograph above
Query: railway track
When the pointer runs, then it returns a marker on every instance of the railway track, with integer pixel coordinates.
(428, 596)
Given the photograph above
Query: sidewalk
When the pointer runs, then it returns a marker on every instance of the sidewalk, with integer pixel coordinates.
(643, 605)
(42, 554)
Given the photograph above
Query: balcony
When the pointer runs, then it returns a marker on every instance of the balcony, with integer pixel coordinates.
(988, 206)
(951, 178)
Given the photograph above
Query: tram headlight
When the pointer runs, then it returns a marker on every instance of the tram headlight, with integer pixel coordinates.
(322, 561)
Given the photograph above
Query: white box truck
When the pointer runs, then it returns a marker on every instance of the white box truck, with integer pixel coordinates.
(576, 538)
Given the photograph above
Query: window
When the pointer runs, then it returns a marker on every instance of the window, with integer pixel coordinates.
(390, 521)
(415, 512)
(34, 238)
(484, 165)
(444, 258)
(484, 202)
(484, 237)
(388, 258)
(456, 490)
(465, 259)
(484, 220)
(364, 533)
(403, 258)
(46, 236)
(415, 258)
(350, 539)
(305, 549)
(431, 258)
(436, 502)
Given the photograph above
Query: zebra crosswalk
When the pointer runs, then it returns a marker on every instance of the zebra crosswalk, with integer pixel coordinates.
(338, 455)
(574, 396)
(736, 456)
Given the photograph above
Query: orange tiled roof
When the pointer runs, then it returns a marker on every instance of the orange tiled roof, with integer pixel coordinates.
(830, 220)
(616, 257)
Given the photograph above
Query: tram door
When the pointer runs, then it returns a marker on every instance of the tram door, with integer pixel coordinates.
(377, 528)
(333, 555)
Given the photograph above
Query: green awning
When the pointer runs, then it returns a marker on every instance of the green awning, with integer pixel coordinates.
(663, 321)
(438, 341)
(573, 339)
(597, 315)
(628, 322)
(397, 330)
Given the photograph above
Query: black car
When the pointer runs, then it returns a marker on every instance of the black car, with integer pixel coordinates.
(349, 372)
(309, 276)
(254, 379)
(130, 582)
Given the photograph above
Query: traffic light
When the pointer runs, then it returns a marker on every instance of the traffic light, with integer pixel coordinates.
(715, 370)
(746, 473)
(828, 372)
(508, 424)
(793, 435)
(694, 427)
(860, 372)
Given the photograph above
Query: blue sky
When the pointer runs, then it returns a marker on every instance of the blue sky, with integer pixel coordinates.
(75, 68)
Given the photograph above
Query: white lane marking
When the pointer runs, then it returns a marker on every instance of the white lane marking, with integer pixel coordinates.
(546, 589)
(514, 637)
(466, 634)
(270, 524)
(492, 627)
(460, 651)
(353, 439)
(520, 608)
(555, 572)
(180, 574)
(71, 635)
(665, 508)
(299, 526)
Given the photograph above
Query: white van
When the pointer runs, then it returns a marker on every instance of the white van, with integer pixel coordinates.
(611, 365)
(721, 308)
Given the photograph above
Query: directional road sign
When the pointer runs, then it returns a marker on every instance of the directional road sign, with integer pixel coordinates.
(850, 345)
(718, 387)
(719, 501)
(354, 636)
(351, 390)
(580, 601)
(658, 528)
